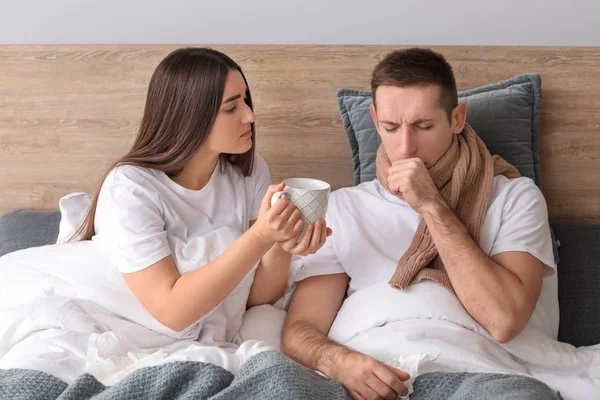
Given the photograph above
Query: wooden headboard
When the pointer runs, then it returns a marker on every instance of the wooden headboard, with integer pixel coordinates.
(67, 112)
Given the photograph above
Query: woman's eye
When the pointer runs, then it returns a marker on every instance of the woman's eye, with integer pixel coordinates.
(231, 110)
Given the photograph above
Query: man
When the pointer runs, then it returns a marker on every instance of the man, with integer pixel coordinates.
(448, 243)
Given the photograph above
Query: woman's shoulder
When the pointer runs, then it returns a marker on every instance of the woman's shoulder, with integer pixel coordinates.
(133, 175)
(131, 181)
(128, 192)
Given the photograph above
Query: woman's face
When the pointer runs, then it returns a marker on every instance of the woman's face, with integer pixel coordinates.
(232, 132)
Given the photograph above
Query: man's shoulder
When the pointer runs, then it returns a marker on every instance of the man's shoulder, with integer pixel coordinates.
(511, 189)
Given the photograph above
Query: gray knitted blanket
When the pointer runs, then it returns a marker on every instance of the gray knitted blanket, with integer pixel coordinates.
(268, 375)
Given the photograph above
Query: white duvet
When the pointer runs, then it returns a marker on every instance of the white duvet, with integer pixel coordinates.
(445, 338)
(61, 313)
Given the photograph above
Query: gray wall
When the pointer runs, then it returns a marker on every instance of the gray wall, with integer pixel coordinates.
(424, 22)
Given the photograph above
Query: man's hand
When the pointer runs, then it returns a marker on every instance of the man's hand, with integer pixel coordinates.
(365, 378)
(410, 180)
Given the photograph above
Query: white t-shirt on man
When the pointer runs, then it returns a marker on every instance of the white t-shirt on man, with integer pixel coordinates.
(143, 216)
(372, 229)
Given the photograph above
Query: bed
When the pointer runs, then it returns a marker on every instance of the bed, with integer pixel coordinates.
(67, 112)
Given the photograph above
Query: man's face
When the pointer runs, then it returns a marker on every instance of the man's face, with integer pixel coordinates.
(412, 123)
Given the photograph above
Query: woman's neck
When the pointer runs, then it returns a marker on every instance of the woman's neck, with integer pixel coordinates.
(197, 172)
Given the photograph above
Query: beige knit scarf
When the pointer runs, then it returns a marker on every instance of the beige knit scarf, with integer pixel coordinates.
(464, 177)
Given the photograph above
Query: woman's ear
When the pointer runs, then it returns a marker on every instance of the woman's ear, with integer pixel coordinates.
(459, 118)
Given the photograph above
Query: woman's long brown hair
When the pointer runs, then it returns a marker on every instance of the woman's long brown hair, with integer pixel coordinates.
(184, 98)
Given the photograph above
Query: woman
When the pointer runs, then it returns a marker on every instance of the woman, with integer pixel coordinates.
(186, 214)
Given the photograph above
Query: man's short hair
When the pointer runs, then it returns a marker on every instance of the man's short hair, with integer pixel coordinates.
(417, 67)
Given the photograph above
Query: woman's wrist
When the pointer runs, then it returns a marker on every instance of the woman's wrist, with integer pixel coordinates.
(263, 238)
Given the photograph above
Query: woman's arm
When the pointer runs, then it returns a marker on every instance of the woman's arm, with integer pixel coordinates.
(177, 300)
(272, 274)
(271, 277)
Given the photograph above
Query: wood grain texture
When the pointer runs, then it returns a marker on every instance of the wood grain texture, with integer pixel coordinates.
(67, 112)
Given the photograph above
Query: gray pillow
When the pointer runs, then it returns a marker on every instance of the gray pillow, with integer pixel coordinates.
(579, 283)
(23, 229)
(506, 115)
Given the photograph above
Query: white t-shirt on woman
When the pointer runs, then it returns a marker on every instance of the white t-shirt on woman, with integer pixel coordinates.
(143, 216)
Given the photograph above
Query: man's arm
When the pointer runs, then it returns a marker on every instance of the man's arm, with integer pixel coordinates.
(499, 292)
(313, 308)
(311, 313)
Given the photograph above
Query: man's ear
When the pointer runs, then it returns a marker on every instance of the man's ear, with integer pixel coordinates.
(374, 116)
(459, 118)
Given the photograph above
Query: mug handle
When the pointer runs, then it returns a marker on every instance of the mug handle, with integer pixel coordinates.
(278, 195)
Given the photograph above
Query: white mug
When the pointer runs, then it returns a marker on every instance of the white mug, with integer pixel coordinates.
(310, 196)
